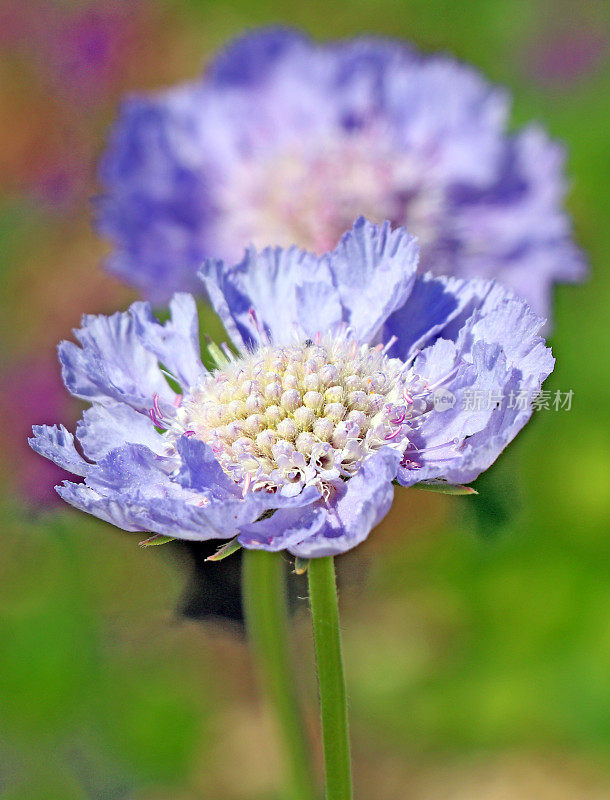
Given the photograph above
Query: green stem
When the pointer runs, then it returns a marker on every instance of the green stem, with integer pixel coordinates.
(266, 610)
(333, 703)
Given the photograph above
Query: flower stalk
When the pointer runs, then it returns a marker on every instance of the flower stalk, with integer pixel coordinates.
(265, 606)
(333, 702)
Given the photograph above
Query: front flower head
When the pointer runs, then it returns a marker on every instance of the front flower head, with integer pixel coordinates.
(330, 395)
(307, 413)
(285, 142)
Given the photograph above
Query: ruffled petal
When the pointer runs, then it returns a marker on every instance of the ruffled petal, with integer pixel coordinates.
(515, 328)
(373, 268)
(153, 202)
(283, 529)
(363, 504)
(367, 277)
(133, 466)
(499, 356)
(113, 364)
(281, 287)
(105, 427)
(438, 307)
(175, 343)
(57, 444)
(130, 510)
(200, 471)
(249, 59)
(109, 509)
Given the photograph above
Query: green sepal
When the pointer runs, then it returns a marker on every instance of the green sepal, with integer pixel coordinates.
(226, 550)
(444, 488)
(300, 565)
(157, 539)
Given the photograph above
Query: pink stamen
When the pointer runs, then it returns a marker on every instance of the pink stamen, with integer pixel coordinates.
(178, 400)
(158, 411)
(247, 482)
(156, 421)
(393, 435)
(262, 334)
(407, 397)
(188, 433)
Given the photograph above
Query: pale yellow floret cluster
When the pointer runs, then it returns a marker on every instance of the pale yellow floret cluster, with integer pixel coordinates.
(298, 413)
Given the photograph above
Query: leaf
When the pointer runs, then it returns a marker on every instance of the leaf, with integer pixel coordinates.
(219, 357)
(158, 538)
(300, 565)
(444, 488)
(226, 550)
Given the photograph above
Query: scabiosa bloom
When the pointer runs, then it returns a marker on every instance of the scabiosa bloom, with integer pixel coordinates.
(285, 142)
(294, 442)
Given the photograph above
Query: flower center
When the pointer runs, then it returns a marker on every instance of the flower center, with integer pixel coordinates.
(306, 413)
(309, 195)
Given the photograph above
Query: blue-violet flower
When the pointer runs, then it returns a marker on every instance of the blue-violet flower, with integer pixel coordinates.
(295, 440)
(285, 142)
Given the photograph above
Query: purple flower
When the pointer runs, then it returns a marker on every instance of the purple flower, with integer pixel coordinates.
(285, 142)
(295, 440)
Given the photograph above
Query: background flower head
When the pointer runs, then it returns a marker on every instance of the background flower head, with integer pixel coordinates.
(285, 141)
(295, 441)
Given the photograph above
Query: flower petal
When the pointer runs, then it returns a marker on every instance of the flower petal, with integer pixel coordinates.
(132, 466)
(57, 444)
(111, 509)
(249, 59)
(153, 199)
(201, 472)
(176, 343)
(373, 268)
(112, 364)
(105, 427)
(364, 503)
(501, 357)
(438, 307)
(287, 289)
(285, 528)
(367, 277)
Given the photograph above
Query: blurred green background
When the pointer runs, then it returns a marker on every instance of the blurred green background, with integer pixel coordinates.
(476, 630)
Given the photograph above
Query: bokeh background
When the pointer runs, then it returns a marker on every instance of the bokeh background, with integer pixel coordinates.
(476, 630)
